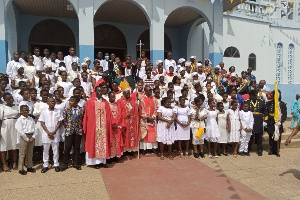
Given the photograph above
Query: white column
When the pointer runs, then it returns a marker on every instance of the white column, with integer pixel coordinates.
(86, 29)
(3, 41)
(157, 28)
(216, 34)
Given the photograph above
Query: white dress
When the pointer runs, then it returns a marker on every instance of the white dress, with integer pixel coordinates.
(8, 116)
(38, 108)
(212, 129)
(182, 133)
(195, 124)
(226, 105)
(61, 129)
(222, 121)
(29, 72)
(164, 135)
(177, 90)
(235, 125)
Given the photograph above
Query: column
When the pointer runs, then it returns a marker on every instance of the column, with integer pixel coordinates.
(216, 34)
(86, 29)
(157, 31)
(3, 41)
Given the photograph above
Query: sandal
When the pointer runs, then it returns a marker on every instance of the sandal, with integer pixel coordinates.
(7, 169)
(162, 157)
(187, 154)
(171, 157)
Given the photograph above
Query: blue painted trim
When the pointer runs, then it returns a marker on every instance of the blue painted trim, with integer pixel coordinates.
(288, 92)
(157, 55)
(215, 58)
(86, 51)
(3, 55)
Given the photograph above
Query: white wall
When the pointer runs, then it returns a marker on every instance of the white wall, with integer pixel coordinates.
(195, 42)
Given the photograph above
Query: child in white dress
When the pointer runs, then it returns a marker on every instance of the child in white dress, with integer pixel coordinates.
(223, 124)
(212, 130)
(165, 127)
(247, 122)
(235, 127)
(198, 116)
(183, 120)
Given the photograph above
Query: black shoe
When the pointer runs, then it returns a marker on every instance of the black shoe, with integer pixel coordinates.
(97, 166)
(196, 155)
(78, 167)
(270, 153)
(202, 155)
(247, 154)
(31, 170)
(259, 154)
(22, 172)
(117, 160)
(154, 151)
(241, 153)
(64, 168)
(278, 155)
(57, 169)
(103, 165)
(108, 161)
(44, 170)
(144, 152)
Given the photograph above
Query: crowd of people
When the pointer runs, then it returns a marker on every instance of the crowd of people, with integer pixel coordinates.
(102, 109)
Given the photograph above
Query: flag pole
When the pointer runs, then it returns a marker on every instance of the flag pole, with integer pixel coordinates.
(137, 123)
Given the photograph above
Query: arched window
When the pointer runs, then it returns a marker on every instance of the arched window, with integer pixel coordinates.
(279, 62)
(291, 64)
(252, 61)
(232, 52)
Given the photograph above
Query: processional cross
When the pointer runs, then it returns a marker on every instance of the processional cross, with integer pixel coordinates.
(140, 44)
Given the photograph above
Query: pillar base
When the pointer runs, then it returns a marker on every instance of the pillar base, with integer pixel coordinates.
(3, 55)
(86, 51)
(157, 55)
(215, 58)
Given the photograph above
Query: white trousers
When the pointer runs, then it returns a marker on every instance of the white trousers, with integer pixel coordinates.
(245, 138)
(151, 145)
(55, 150)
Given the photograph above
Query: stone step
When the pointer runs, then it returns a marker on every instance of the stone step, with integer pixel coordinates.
(294, 144)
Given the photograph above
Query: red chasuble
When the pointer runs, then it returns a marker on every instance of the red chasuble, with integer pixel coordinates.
(92, 120)
(117, 142)
(148, 107)
(127, 110)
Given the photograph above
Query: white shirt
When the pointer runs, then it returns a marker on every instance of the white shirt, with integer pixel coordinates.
(51, 119)
(201, 77)
(11, 68)
(88, 88)
(53, 65)
(69, 60)
(22, 61)
(37, 61)
(247, 119)
(57, 61)
(46, 60)
(169, 63)
(25, 125)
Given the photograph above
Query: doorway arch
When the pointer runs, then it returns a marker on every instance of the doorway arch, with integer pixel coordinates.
(52, 34)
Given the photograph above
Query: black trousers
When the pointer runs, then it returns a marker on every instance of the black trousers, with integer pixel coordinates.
(258, 140)
(72, 141)
(274, 145)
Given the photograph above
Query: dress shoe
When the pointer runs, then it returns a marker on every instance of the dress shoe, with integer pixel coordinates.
(44, 170)
(270, 153)
(196, 155)
(108, 161)
(117, 160)
(57, 169)
(97, 166)
(247, 154)
(22, 172)
(64, 168)
(259, 154)
(103, 165)
(202, 155)
(31, 170)
(78, 167)
(144, 152)
(278, 155)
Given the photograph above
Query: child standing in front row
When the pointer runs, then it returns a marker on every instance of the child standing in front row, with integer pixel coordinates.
(25, 126)
(50, 121)
(212, 130)
(223, 124)
(235, 126)
(247, 122)
(73, 122)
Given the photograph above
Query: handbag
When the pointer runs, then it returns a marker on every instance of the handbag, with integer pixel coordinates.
(199, 132)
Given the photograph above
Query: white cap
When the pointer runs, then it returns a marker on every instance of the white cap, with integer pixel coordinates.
(188, 63)
(194, 74)
(217, 66)
(181, 60)
(84, 63)
(158, 61)
(181, 69)
(193, 57)
(199, 65)
(86, 59)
